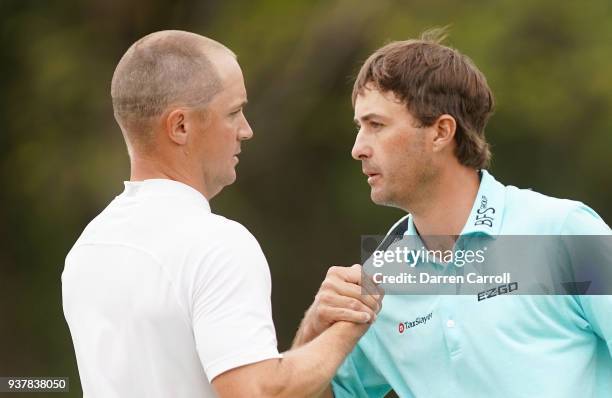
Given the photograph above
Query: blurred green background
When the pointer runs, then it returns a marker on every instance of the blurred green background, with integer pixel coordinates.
(300, 193)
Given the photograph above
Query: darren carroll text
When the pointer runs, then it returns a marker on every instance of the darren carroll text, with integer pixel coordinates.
(425, 278)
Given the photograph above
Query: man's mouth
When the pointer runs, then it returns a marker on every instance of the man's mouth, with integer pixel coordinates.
(372, 176)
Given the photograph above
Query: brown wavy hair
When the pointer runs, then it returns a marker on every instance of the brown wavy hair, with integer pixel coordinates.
(431, 80)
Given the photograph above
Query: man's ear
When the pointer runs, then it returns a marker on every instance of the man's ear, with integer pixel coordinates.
(176, 126)
(445, 127)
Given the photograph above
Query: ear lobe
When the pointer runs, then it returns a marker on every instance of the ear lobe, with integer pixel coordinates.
(176, 126)
(445, 128)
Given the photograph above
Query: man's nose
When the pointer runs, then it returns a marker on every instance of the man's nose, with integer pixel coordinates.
(361, 149)
(245, 132)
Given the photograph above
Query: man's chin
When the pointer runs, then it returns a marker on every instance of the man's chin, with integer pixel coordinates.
(230, 179)
(224, 182)
(382, 199)
(378, 197)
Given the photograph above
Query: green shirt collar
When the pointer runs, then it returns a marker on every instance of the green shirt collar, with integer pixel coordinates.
(487, 211)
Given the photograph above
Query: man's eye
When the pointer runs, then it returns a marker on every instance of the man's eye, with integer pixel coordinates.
(236, 112)
(375, 125)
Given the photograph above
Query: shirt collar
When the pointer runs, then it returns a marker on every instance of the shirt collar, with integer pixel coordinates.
(487, 211)
(164, 187)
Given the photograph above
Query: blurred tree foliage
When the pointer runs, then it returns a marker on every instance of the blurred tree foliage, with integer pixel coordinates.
(62, 158)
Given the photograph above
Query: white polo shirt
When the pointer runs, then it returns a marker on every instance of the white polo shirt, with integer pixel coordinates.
(161, 295)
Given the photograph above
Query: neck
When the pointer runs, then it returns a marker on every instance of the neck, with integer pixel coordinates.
(447, 205)
(143, 167)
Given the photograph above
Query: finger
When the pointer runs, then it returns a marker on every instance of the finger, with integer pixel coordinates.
(379, 293)
(353, 291)
(371, 301)
(369, 286)
(343, 314)
(353, 274)
(357, 275)
(336, 301)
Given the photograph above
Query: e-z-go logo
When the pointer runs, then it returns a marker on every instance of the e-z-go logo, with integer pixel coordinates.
(410, 324)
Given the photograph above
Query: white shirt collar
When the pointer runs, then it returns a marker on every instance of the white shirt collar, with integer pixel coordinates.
(164, 187)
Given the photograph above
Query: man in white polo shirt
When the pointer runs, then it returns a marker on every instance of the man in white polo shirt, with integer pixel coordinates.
(164, 298)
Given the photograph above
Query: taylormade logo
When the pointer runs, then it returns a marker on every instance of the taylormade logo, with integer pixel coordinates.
(410, 324)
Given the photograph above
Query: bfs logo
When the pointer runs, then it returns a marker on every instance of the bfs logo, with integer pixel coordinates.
(485, 214)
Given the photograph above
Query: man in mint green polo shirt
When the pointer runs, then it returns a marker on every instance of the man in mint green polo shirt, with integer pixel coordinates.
(421, 110)
(514, 346)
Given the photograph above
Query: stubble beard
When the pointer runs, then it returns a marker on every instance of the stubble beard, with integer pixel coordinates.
(412, 192)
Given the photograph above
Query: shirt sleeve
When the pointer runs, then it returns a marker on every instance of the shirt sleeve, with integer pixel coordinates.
(232, 313)
(357, 377)
(582, 220)
(596, 308)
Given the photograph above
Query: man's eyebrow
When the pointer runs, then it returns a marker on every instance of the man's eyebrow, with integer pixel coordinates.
(239, 105)
(366, 117)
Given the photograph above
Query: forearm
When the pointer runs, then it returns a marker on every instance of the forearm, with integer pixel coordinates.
(331, 327)
(340, 298)
(305, 333)
(307, 371)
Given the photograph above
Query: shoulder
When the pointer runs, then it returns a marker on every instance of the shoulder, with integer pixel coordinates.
(537, 204)
(223, 255)
(226, 228)
(544, 214)
(226, 258)
(220, 233)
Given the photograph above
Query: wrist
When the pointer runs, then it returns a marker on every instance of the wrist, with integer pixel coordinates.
(350, 332)
(307, 331)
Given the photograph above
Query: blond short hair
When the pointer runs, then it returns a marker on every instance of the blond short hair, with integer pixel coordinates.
(162, 69)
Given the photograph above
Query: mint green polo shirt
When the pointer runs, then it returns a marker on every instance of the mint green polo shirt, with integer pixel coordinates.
(507, 346)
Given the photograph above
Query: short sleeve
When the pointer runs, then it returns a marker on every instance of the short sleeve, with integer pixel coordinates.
(357, 377)
(596, 308)
(232, 314)
(582, 220)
